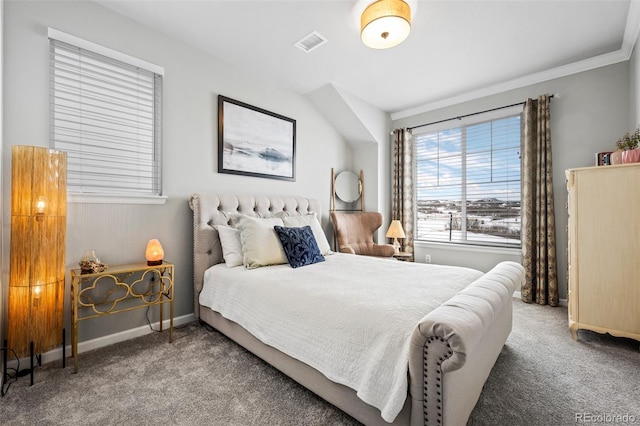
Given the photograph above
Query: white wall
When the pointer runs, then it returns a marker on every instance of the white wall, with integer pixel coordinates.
(590, 114)
(374, 160)
(634, 87)
(3, 290)
(371, 154)
(192, 82)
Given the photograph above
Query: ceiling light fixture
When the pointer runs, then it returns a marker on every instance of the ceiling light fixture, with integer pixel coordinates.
(385, 23)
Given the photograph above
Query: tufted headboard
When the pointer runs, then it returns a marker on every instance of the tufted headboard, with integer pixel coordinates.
(212, 209)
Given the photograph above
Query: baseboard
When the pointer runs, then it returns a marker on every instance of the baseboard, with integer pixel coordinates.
(100, 342)
(518, 295)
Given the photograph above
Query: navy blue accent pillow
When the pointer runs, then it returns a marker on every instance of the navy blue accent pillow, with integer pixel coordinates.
(299, 244)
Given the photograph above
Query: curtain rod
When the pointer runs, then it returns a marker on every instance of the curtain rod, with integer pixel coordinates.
(460, 117)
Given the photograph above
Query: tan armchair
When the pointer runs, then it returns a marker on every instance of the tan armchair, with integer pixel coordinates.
(354, 232)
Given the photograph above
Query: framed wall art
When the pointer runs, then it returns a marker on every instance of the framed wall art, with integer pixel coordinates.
(255, 142)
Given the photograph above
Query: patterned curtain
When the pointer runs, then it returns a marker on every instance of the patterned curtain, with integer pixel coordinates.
(402, 186)
(538, 224)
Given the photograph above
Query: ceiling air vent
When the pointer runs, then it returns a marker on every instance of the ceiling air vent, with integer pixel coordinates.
(310, 42)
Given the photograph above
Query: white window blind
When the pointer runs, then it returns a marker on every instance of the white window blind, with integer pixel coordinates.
(468, 183)
(106, 114)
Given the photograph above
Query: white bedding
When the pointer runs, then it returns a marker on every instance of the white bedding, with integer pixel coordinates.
(350, 317)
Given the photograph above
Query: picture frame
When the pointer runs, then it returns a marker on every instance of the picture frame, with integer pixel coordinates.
(255, 142)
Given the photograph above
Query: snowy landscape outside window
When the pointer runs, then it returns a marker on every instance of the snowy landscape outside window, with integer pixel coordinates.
(468, 182)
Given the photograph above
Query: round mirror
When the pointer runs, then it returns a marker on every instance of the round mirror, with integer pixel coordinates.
(348, 187)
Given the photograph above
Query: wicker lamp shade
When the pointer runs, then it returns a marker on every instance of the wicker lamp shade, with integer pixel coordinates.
(38, 235)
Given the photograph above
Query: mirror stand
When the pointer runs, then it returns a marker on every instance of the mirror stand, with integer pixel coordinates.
(347, 187)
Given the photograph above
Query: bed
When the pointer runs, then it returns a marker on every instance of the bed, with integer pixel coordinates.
(445, 355)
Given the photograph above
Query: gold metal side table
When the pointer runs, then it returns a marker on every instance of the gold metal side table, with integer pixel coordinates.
(119, 288)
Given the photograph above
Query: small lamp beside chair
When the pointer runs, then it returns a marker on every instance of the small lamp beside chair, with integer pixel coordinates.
(395, 231)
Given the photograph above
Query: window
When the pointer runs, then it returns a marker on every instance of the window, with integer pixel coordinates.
(468, 182)
(106, 114)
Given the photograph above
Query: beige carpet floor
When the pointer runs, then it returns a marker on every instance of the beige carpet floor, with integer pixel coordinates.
(542, 377)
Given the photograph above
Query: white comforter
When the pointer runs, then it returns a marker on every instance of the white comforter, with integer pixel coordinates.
(350, 317)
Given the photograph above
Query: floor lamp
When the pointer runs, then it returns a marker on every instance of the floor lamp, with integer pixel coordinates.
(38, 236)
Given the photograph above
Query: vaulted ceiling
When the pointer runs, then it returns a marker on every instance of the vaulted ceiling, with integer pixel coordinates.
(456, 49)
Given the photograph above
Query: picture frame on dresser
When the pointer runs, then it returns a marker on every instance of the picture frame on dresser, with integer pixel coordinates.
(255, 142)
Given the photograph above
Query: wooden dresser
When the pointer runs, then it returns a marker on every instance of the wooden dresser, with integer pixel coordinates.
(604, 249)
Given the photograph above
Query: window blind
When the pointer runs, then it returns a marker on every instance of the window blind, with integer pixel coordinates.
(106, 114)
(468, 183)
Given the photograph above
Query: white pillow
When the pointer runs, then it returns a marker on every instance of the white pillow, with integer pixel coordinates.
(231, 246)
(233, 218)
(260, 243)
(310, 219)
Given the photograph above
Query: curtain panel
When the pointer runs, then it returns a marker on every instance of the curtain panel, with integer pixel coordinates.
(402, 185)
(538, 223)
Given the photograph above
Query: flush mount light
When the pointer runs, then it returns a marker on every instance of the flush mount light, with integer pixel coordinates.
(385, 23)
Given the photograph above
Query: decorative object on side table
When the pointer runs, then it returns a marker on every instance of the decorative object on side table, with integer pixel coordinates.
(154, 253)
(90, 263)
(37, 255)
(395, 231)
